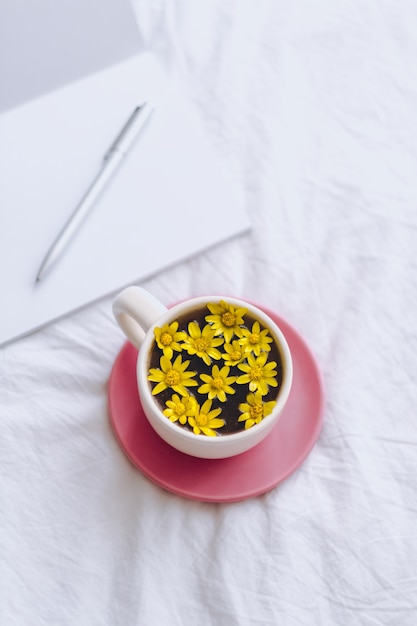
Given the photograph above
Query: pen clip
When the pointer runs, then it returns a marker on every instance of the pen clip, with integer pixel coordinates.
(128, 134)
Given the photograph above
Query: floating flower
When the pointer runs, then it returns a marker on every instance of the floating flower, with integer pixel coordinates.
(180, 408)
(234, 353)
(254, 409)
(256, 340)
(258, 373)
(218, 384)
(172, 375)
(206, 420)
(168, 338)
(226, 319)
(202, 342)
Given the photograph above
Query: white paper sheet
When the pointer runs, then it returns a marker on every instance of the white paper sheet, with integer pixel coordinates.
(167, 201)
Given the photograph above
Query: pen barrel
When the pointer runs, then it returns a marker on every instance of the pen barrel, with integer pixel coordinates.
(80, 212)
(92, 194)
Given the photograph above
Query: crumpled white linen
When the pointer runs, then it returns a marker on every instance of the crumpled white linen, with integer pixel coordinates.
(312, 108)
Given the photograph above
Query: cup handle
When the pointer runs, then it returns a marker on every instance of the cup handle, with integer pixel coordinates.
(135, 310)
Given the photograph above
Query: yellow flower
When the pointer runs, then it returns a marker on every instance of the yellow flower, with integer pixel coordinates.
(205, 420)
(172, 375)
(256, 340)
(218, 384)
(168, 338)
(180, 408)
(234, 353)
(202, 343)
(226, 319)
(258, 373)
(254, 409)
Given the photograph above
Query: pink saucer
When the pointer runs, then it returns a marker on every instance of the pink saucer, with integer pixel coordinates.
(221, 480)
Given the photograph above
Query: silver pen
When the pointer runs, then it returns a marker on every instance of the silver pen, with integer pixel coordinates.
(119, 148)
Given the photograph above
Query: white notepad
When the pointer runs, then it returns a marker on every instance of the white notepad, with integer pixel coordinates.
(167, 202)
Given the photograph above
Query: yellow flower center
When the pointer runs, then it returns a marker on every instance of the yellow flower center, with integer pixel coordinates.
(202, 419)
(201, 344)
(254, 338)
(236, 354)
(166, 339)
(255, 373)
(228, 319)
(217, 383)
(179, 408)
(172, 377)
(256, 411)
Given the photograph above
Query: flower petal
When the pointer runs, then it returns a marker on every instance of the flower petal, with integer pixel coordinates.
(156, 375)
(165, 363)
(194, 330)
(208, 431)
(204, 389)
(159, 387)
(216, 423)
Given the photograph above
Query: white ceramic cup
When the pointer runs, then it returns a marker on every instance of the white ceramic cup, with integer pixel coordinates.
(138, 313)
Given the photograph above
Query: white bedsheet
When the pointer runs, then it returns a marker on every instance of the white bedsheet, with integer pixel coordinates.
(312, 108)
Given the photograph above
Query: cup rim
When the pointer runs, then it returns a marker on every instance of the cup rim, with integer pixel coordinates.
(243, 435)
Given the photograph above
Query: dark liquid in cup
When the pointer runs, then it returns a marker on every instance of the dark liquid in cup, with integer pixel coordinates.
(230, 412)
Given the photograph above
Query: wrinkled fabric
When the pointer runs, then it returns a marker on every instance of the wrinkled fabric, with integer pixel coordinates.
(312, 109)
